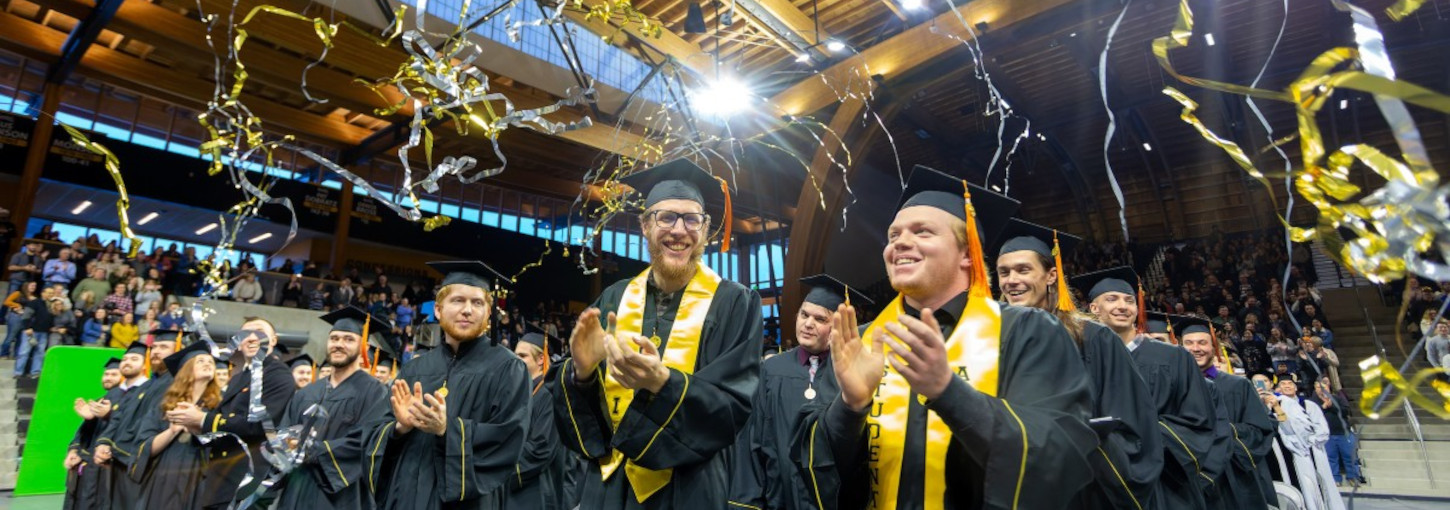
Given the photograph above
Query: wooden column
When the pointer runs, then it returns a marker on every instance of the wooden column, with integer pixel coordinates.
(34, 163)
(812, 227)
(341, 232)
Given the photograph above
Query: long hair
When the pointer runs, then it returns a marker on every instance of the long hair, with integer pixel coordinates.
(180, 390)
(1070, 319)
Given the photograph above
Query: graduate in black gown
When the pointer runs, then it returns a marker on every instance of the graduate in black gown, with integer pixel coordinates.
(538, 482)
(121, 439)
(762, 473)
(169, 463)
(980, 406)
(1250, 430)
(459, 413)
(304, 370)
(664, 363)
(1130, 457)
(1182, 397)
(332, 413)
(227, 455)
(84, 489)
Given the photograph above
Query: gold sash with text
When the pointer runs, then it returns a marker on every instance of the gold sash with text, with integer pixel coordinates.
(679, 353)
(972, 352)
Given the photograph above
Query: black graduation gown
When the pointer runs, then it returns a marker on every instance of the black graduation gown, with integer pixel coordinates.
(1129, 459)
(168, 478)
(88, 485)
(537, 482)
(762, 474)
(1186, 421)
(1041, 375)
(227, 462)
(1251, 433)
(470, 465)
(331, 474)
(123, 435)
(687, 431)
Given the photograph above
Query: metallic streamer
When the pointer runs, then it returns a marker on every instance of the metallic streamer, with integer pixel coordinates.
(1113, 120)
(1379, 373)
(113, 167)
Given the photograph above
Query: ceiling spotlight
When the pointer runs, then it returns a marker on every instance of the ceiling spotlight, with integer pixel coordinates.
(148, 217)
(1208, 38)
(804, 58)
(80, 208)
(835, 45)
(1147, 147)
(911, 5)
(722, 98)
(208, 228)
(260, 238)
(982, 27)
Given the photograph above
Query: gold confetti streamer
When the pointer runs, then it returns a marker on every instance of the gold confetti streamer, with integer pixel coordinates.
(113, 167)
(1378, 373)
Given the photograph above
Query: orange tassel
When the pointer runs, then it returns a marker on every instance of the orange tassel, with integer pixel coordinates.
(146, 363)
(1222, 349)
(314, 372)
(729, 217)
(373, 369)
(546, 367)
(1064, 294)
(1172, 337)
(1142, 311)
(980, 287)
(366, 322)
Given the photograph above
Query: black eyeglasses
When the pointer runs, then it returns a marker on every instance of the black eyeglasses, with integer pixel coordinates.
(667, 219)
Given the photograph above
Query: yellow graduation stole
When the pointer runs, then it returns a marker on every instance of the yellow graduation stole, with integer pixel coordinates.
(679, 354)
(972, 352)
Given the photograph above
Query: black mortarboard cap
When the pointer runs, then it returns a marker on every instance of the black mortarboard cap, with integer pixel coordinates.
(223, 363)
(932, 188)
(1186, 324)
(283, 350)
(1118, 279)
(113, 363)
(1021, 235)
(137, 347)
(165, 335)
(304, 359)
(677, 179)
(1158, 322)
(350, 319)
(468, 272)
(830, 293)
(174, 362)
(534, 339)
(388, 344)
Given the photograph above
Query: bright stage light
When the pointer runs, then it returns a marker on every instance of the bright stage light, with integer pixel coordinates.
(208, 228)
(911, 5)
(835, 46)
(80, 208)
(726, 96)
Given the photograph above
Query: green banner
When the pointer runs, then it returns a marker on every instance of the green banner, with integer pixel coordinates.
(69, 373)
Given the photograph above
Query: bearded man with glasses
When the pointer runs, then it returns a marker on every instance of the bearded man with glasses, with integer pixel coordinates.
(664, 363)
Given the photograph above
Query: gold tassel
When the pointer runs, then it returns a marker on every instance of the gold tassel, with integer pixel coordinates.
(729, 217)
(1064, 294)
(1142, 311)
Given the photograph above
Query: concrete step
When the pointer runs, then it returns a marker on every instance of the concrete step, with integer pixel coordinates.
(9, 415)
(1439, 491)
(1391, 484)
(7, 481)
(1436, 449)
(1431, 432)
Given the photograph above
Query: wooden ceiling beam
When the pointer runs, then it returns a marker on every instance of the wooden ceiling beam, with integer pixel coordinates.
(909, 49)
(669, 44)
(124, 70)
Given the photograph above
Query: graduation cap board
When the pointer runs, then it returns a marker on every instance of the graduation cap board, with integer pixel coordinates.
(1189, 325)
(303, 359)
(534, 339)
(174, 362)
(682, 179)
(468, 272)
(829, 293)
(137, 347)
(113, 364)
(1021, 235)
(165, 335)
(352, 319)
(1158, 322)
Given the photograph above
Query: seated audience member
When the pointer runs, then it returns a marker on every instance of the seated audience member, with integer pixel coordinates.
(124, 332)
(95, 329)
(1316, 361)
(1437, 348)
(175, 318)
(248, 290)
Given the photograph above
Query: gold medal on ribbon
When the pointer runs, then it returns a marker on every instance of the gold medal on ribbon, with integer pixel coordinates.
(443, 392)
(810, 393)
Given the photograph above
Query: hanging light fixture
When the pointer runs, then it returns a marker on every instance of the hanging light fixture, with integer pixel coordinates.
(695, 19)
